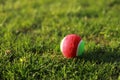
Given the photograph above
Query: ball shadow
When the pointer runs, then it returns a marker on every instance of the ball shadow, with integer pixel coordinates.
(102, 55)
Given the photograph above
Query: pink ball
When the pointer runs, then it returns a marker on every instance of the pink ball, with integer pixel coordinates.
(72, 46)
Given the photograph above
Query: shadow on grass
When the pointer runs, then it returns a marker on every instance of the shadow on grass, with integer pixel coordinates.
(102, 55)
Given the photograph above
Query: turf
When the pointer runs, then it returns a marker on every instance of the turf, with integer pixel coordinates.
(31, 32)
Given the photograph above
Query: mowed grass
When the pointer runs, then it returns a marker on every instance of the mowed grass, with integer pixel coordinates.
(31, 32)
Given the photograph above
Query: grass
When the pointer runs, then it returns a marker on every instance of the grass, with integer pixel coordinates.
(31, 32)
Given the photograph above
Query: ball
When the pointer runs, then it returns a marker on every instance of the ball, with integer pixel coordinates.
(71, 46)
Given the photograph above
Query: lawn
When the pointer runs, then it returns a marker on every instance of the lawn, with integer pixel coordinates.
(31, 32)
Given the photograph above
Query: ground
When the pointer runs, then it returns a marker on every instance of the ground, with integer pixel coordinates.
(31, 32)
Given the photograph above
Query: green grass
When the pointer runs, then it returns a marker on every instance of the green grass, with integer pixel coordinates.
(31, 32)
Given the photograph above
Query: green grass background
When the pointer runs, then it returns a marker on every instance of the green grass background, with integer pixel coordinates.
(31, 32)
